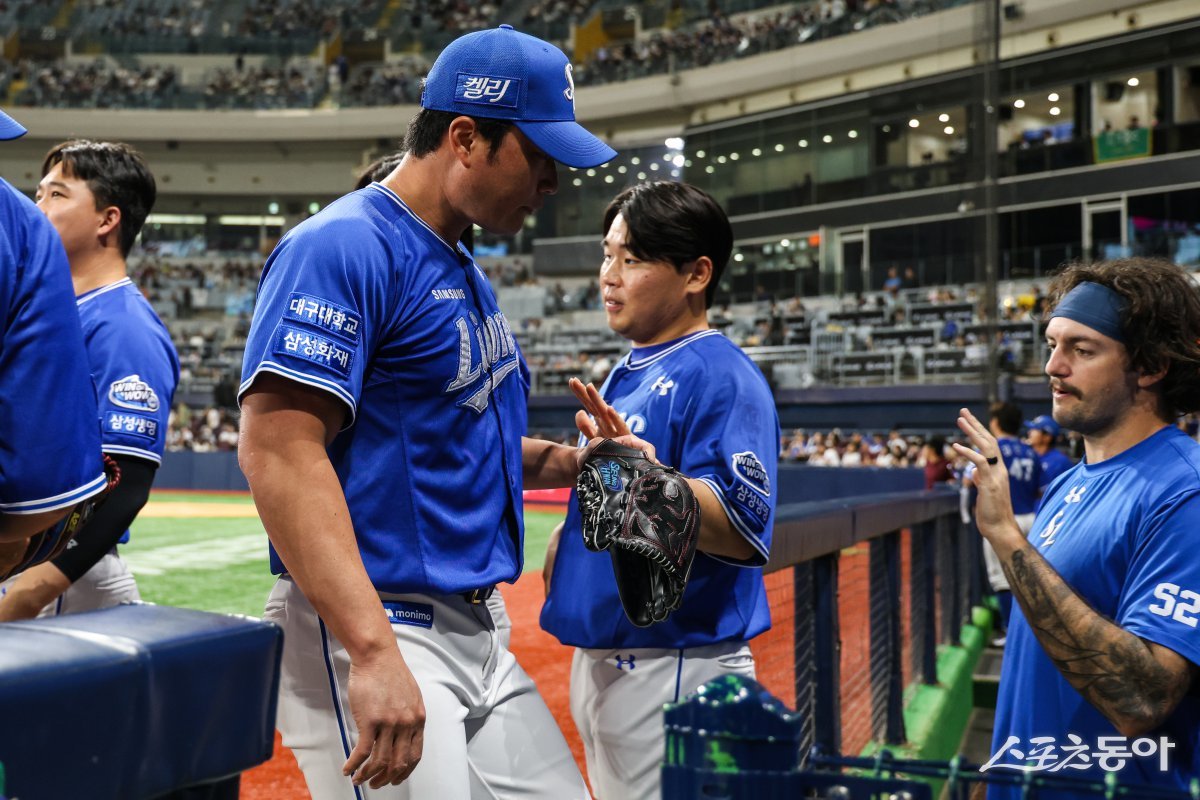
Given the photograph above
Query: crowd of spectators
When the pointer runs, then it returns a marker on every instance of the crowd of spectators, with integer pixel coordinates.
(721, 38)
(120, 18)
(856, 449)
(101, 84)
(391, 84)
(457, 16)
(549, 12)
(263, 88)
(205, 430)
(710, 42)
(96, 84)
(289, 18)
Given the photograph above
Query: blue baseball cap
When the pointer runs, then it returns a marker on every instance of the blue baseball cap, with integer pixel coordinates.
(502, 73)
(1044, 423)
(10, 128)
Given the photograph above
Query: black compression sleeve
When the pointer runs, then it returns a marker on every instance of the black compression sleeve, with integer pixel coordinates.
(111, 519)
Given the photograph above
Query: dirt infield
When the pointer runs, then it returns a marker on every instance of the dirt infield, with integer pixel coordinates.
(211, 510)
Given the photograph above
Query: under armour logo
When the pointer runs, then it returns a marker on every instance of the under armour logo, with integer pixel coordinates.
(622, 663)
(1052, 529)
(663, 385)
(1075, 495)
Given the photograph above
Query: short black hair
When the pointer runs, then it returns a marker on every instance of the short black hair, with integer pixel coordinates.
(116, 174)
(428, 128)
(1007, 416)
(378, 169)
(674, 222)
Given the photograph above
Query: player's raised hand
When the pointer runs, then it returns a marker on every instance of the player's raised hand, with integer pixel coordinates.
(993, 509)
(598, 418)
(390, 715)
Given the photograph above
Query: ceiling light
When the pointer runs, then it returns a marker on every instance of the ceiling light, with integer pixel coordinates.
(641, 176)
(853, 134)
(734, 156)
(914, 123)
(949, 129)
(710, 169)
(739, 257)
(674, 143)
(803, 142)
(827, 138)
(1055, 111)
(1018, 103)
(778, 148)
(635, 161)
(622, 169)
(699, 154)
(943, 117)
(677, 161)
(577, 182)
(1053, 97)
(756, 152)
(1133, 81)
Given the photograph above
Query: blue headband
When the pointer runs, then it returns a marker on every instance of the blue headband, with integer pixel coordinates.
(1098, 307)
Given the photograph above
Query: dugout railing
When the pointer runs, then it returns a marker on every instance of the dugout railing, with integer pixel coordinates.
(876, 584)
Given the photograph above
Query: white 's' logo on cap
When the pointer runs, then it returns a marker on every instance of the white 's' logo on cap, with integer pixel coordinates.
(569, 92)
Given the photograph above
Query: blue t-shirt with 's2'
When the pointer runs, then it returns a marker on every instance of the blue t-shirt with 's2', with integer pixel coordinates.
(709, 413)
(366, 302)
(49, 435)
(1123, 535)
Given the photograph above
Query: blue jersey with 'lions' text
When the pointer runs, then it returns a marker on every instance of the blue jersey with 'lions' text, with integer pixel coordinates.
(1122, 533)
(48, 431)
(366, 302)
(709, 413)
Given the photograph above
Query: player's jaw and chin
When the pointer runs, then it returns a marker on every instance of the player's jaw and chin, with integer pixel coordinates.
(509, 185)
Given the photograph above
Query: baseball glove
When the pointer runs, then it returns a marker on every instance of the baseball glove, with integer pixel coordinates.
(648, 519)
(49, 543)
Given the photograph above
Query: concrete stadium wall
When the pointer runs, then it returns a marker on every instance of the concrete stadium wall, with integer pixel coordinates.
(208, 472)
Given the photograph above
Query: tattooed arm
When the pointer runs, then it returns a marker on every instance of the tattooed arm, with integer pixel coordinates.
(1136, 684)
(1133, 682)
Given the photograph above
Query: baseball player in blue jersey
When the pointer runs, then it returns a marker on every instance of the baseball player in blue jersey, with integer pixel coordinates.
(51, 456)
(1101, 662)
(97, 195)
(707, 410)
(1042, 435)
(1024, 486)
(384, 407)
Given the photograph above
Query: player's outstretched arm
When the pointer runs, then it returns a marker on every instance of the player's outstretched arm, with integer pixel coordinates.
(717, 535)
(285, 430)
(1136, 684)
